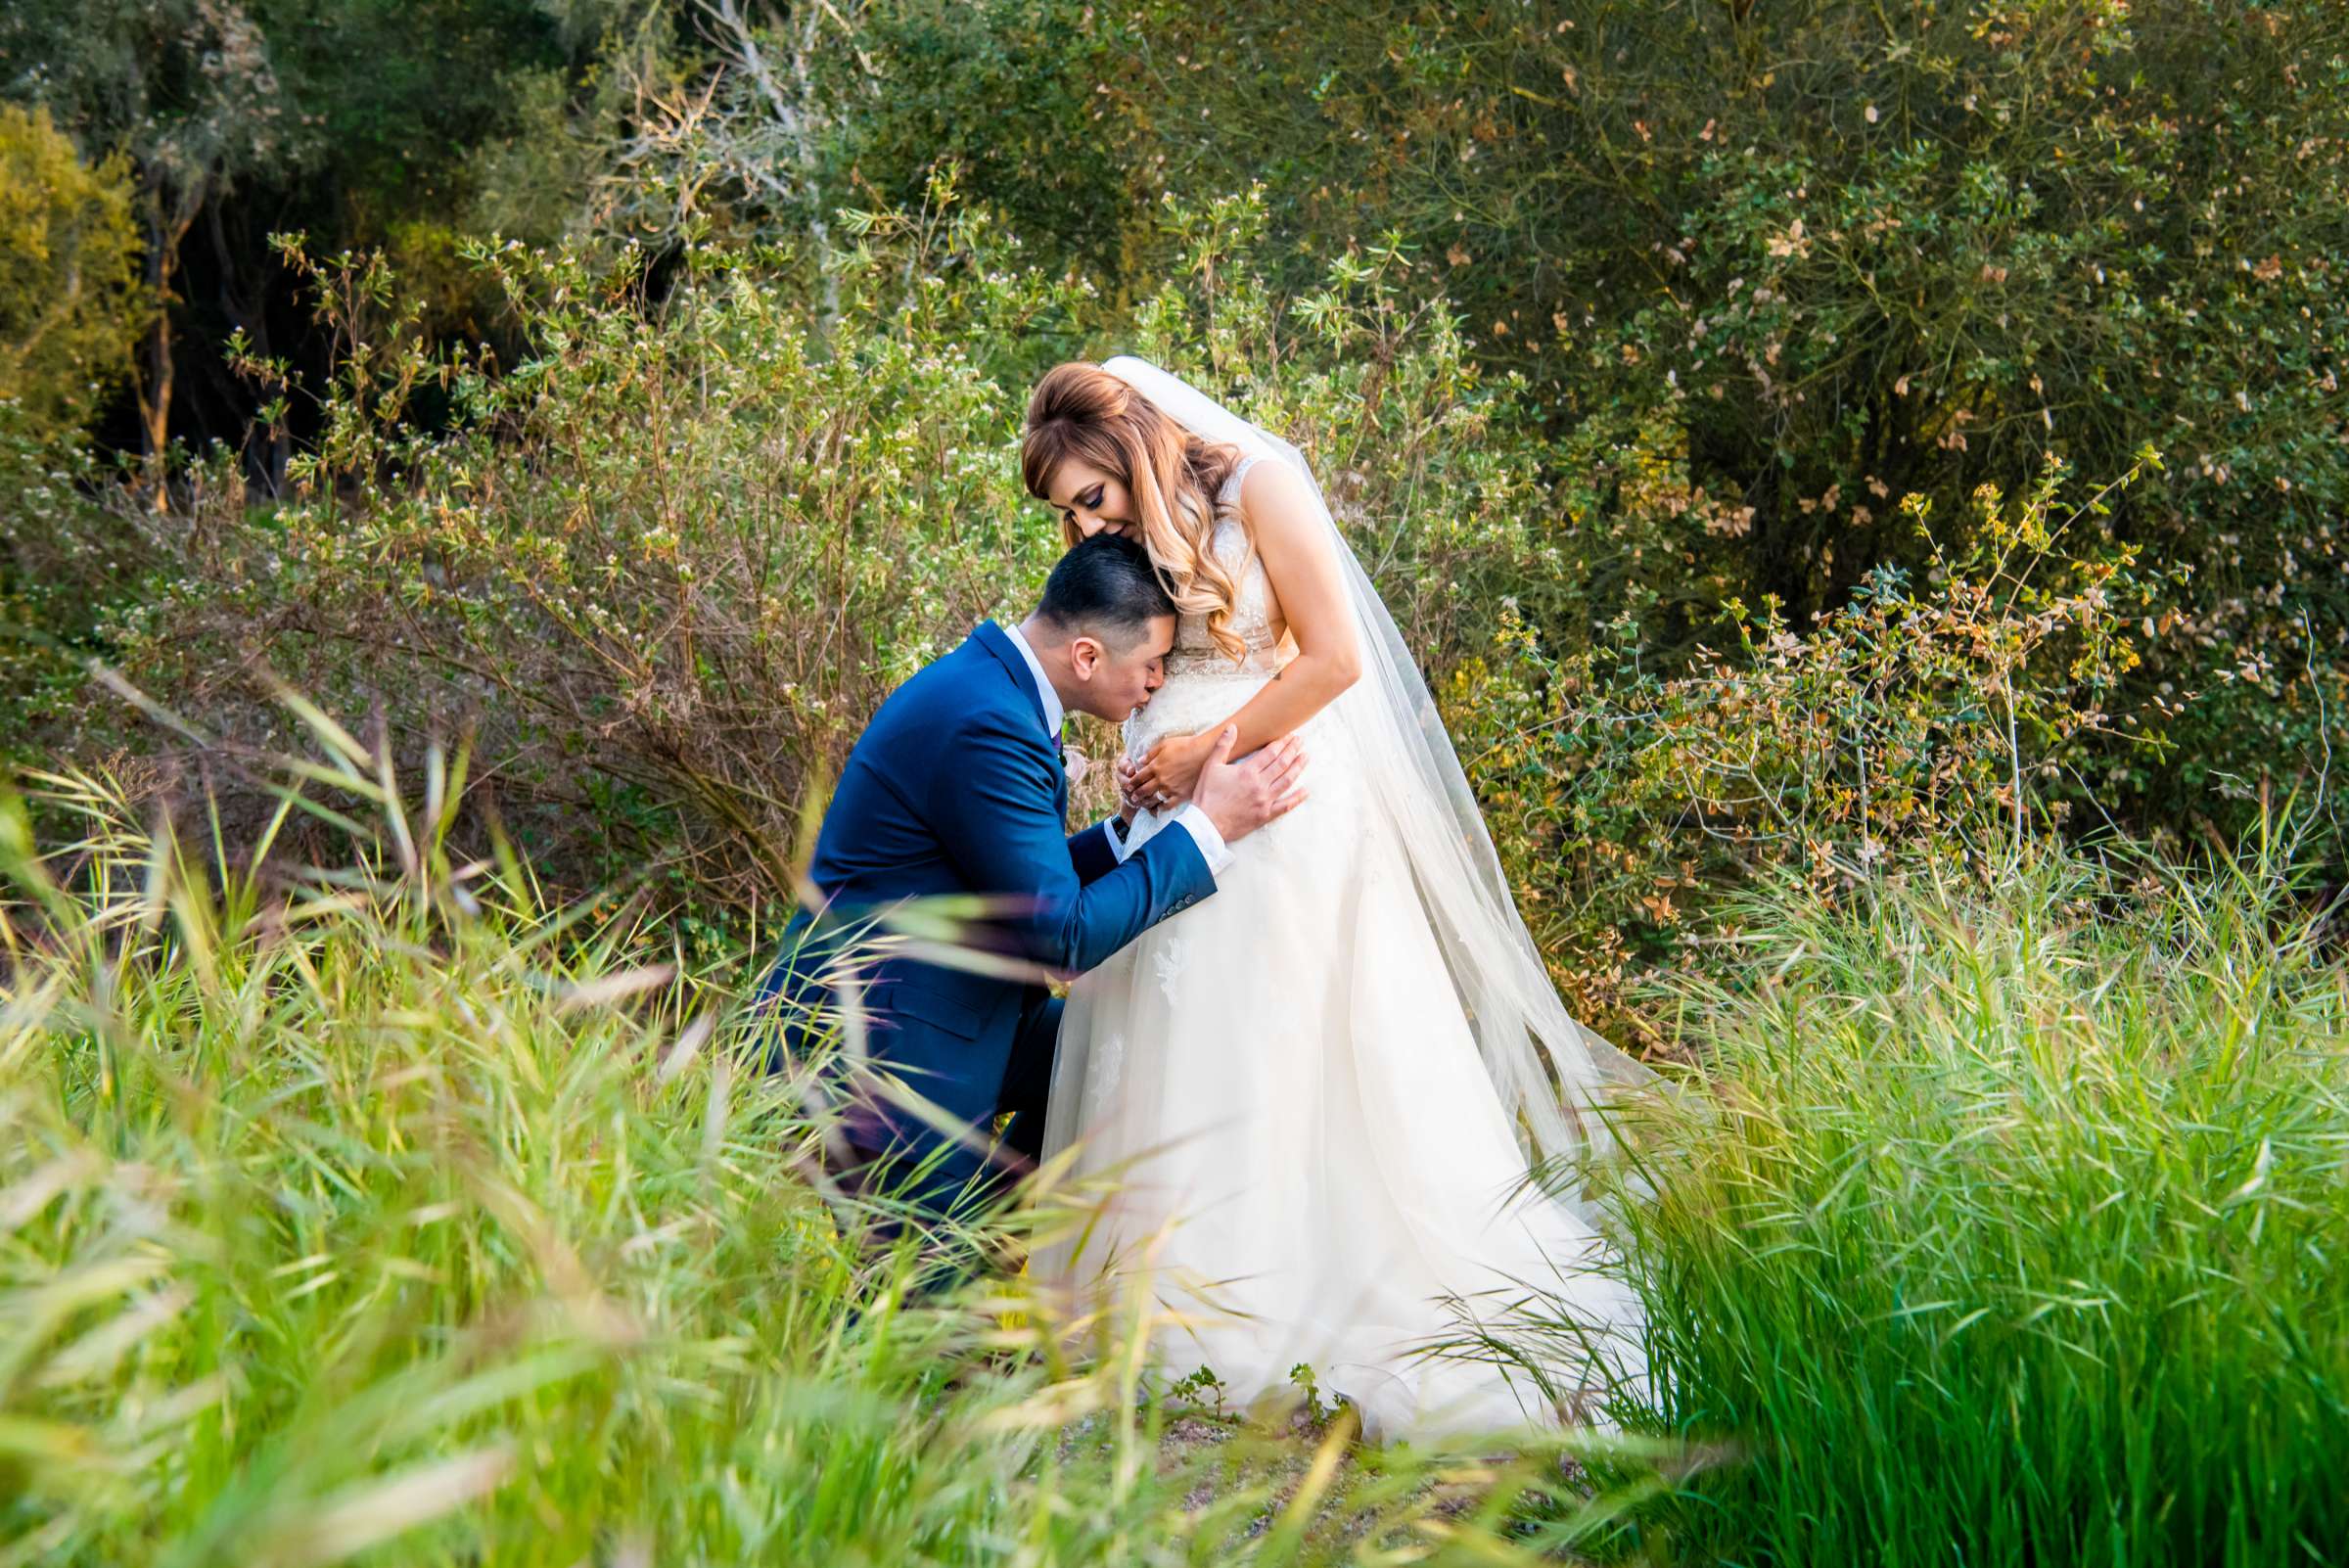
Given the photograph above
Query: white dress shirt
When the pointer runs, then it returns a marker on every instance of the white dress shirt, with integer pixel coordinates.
(1196, 822)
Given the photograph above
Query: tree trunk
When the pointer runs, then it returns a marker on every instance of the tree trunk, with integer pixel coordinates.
(168, 216)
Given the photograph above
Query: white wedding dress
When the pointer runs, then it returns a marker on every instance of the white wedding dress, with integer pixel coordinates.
(1315, 1164)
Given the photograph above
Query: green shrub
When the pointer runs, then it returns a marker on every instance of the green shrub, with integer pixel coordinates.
(667, 566)
(1920, 718)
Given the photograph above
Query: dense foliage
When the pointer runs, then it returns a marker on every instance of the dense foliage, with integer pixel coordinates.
(361, 121)
(1921, 718)
(1806, 259)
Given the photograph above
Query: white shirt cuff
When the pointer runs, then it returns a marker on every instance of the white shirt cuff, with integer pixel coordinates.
(1133, 836)
(1146, 824)
(1117, 838)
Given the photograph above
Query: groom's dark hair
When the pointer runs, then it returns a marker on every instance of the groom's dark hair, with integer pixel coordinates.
(1105, 588)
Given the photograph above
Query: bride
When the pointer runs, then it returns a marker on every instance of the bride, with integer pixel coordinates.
(1311, 1090)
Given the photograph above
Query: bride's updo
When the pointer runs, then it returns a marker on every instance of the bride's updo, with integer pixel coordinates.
(1081, 411)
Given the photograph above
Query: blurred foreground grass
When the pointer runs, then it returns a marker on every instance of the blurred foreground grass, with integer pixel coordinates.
(376, 1213)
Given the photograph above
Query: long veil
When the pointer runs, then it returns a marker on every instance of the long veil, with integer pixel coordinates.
(1552, 1073)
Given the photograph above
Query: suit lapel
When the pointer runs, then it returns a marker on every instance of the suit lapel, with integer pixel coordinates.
(993, 639)
(996, 641)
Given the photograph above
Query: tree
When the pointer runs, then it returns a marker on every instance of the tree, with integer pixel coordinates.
(70, 296)
(187, 93)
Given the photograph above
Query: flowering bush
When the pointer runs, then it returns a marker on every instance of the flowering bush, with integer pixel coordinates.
(1921, 719)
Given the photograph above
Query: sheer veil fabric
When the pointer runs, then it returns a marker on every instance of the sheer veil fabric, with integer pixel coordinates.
(1322, 1087)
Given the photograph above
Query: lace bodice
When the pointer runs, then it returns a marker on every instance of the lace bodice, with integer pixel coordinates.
(1203, 686)
(1255, 615)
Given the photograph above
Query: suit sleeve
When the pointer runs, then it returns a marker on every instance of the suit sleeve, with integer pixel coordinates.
(1095, 852)
(996, 820)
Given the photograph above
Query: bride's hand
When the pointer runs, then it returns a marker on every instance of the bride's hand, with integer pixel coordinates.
(1171, 772)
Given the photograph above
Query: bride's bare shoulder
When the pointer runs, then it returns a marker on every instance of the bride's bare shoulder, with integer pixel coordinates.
(1274, 497)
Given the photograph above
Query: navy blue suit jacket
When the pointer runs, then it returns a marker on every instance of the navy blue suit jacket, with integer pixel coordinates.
(956, 787)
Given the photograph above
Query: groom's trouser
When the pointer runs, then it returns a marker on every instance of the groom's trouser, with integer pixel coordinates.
(943, 1175)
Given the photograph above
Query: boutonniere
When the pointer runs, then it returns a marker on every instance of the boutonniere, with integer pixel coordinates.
(1077, 763)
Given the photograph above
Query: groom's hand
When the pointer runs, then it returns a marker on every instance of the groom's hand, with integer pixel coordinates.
(1240, 797)
(1131, 798)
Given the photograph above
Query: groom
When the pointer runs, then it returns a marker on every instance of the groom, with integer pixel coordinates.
(958, 787)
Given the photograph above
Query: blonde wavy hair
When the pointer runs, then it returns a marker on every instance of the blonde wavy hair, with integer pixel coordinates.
(1082, 411)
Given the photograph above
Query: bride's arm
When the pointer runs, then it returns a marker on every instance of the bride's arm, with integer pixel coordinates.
(1310, 586)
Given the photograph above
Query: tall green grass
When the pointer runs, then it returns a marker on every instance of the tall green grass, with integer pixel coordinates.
(378, 1214)
(2015, 1228)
